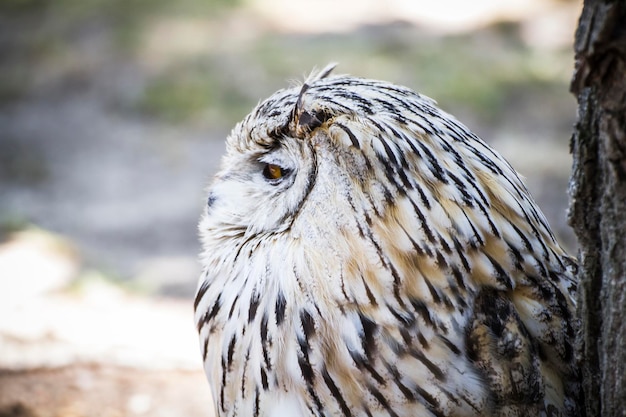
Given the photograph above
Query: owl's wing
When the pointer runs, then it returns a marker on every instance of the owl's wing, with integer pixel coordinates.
(476, 270)
(522, 324)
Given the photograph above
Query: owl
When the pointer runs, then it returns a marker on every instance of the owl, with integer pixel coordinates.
(365, 254)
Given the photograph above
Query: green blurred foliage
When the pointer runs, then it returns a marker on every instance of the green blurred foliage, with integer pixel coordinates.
(456, 71)
(217, 86)
(198, 88)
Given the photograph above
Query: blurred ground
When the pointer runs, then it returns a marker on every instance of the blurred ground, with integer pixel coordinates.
(91, 390)
(112, 120)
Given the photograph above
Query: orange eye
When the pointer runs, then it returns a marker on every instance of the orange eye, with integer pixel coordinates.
(273, 172)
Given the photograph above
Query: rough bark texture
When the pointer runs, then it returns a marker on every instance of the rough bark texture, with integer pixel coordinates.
(598, 201)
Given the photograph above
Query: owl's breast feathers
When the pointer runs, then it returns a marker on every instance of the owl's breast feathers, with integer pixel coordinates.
(412, 274)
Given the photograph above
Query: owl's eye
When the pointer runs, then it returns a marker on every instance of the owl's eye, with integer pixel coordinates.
(274, 172)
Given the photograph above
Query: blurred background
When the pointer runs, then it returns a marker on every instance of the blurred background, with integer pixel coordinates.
(113, 115)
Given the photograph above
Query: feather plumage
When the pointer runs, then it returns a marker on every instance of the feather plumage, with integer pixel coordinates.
(396, 267)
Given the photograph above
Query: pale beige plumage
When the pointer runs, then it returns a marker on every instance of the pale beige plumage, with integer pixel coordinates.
(366, 255)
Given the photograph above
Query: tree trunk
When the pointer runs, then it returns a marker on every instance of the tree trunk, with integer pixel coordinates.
(598, 202)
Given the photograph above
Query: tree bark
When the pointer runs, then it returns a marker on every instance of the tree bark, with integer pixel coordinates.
(598, 202)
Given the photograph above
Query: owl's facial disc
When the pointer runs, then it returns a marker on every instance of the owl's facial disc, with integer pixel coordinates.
(259, 189)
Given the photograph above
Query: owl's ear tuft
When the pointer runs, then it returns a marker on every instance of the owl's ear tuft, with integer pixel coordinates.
(297, 108)
(305, 121)
(319, 75)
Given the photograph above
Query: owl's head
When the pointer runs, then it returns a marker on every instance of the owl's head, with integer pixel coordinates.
(342, 156)
(317, 151)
